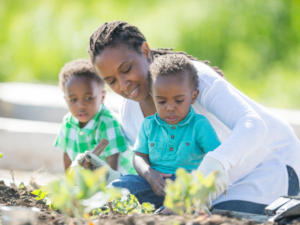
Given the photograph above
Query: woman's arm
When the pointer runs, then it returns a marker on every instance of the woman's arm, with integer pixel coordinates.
(248, 129)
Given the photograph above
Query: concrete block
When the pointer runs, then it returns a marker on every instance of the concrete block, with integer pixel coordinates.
(39, 102)
(28, 145)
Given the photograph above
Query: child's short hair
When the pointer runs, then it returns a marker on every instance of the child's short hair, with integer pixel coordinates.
(172, 64)
(79, 67)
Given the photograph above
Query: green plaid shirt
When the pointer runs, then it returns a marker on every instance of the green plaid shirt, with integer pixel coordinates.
(74, 140)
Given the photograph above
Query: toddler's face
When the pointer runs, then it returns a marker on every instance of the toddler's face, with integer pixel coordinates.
(173, 96)
(84, 97)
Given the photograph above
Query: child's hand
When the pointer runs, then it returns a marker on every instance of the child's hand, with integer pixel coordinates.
(157, 182)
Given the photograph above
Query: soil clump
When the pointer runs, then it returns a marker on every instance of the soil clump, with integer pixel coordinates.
(13, 196)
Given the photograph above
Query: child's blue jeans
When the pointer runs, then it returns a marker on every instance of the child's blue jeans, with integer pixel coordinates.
(140, 188)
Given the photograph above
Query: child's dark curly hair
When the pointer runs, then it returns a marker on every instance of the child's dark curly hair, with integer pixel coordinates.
(119, 32)
(173, 65)
(79, 67)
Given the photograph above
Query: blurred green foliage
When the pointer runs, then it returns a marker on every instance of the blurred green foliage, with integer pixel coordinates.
(256, 43)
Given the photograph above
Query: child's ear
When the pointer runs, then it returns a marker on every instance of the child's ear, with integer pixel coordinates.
(195, 95)
(103, 96)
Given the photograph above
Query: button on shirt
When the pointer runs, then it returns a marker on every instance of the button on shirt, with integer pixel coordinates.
(181, 145)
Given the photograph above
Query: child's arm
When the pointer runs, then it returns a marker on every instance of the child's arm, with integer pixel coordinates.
(113, 161)
(142, 166)
(111, 130)
(67, 161)
(60, 144)
(155, 178)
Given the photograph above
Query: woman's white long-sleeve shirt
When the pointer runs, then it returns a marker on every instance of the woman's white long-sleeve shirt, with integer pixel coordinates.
(256, 145)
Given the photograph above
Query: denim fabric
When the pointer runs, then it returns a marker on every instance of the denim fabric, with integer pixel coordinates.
(293, 182)
(140, 188)
(180, 145)
(255, 208)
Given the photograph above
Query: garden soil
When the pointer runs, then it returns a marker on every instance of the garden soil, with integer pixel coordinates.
(12, 196)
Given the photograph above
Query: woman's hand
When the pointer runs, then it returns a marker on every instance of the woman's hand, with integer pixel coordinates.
(157, 182)
(208, 166)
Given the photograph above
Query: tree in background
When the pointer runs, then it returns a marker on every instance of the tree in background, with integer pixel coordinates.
(256, 43)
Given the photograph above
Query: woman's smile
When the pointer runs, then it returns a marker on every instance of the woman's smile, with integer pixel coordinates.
(135, 92)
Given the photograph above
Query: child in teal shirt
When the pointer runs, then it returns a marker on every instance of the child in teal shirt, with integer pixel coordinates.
(172, 138)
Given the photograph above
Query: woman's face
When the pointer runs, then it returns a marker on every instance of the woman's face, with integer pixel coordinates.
(125, 70)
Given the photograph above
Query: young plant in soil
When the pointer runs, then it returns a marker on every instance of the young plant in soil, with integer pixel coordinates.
(188, 193)
(81, 191)
(126, 205)
(72, 193)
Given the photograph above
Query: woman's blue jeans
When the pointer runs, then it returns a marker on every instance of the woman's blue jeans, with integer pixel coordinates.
(140, 187)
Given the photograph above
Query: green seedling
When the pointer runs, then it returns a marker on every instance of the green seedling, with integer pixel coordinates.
(82, 191)
(42, 194)
(188, 193)
(129, 204)
(126, 205)
(21, 186)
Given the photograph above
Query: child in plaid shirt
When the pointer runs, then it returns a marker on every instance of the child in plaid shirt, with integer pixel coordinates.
(89, 120)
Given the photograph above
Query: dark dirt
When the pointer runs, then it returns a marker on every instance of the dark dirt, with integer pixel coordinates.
(173, 219)
(12, 196)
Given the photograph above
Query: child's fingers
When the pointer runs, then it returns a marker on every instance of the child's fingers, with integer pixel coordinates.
(166, 174)
(157, 189)
(162, 182)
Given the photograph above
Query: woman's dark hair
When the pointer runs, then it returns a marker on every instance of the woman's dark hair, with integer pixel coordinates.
(174, 65)
(122, 33)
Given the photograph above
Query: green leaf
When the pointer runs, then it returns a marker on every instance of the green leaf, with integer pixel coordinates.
(188, 191)
(36, 192)
(1, 155)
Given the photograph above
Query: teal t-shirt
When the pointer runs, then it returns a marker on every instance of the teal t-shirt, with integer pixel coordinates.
(173, 146)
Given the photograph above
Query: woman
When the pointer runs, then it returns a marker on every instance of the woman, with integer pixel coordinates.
(259, 151)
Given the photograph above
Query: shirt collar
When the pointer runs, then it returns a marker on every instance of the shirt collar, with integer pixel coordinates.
(90, 126)
(184, 122)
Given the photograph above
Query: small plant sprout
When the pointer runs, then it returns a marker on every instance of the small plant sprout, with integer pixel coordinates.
(125, 205)
(81, 191)
(129, 204)
(21, 186)
(188, 193)
(84, 191)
